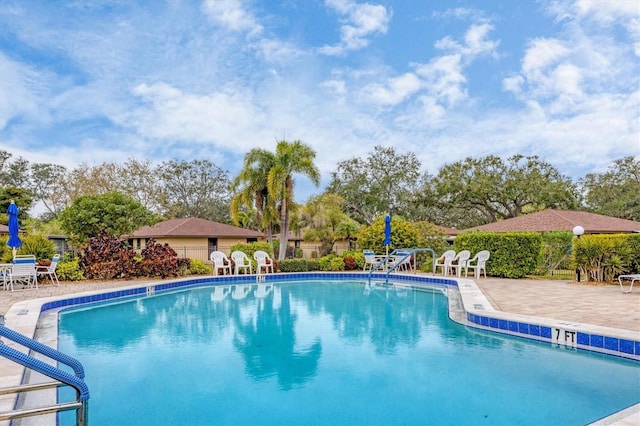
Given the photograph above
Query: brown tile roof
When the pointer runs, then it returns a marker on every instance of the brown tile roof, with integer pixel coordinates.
(448, 231)
(562, 220)
(194, 227)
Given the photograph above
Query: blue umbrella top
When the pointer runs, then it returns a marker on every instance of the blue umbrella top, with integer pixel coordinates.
(14, 240)
(387, 230)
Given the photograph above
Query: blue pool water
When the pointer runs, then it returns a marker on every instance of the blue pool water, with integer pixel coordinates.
(326, 353)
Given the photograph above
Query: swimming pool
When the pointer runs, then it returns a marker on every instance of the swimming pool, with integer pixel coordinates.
(317, 352)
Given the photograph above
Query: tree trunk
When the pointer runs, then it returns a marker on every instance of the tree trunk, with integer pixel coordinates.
(284, 229)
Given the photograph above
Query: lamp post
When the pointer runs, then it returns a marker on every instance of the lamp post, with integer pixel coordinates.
(577, 231)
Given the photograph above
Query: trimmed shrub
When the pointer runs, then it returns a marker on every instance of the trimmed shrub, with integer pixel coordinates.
(294, 265)
(198, 267)
(357, 256)
(349, 263)
(336, 264)
(513, 254)
(69, 271)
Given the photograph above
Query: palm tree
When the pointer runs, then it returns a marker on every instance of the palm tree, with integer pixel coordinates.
(251, 192)
(291, 157)
(268, 180)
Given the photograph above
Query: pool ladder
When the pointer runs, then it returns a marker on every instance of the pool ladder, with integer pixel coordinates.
(401, 255)
(60, 377)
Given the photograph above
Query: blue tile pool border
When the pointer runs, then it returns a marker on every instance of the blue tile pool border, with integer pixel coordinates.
(496, 321)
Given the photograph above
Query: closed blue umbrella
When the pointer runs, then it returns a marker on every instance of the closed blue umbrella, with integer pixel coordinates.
(387, 232)
(14, 239)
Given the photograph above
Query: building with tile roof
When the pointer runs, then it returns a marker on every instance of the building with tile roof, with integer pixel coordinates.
(193, 237)
(562, 220)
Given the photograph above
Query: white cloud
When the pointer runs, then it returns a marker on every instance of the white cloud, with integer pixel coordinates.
(20, 87)
(444, 78)
(178, 116)
(232, 15)
(394, 91)
(359, 22)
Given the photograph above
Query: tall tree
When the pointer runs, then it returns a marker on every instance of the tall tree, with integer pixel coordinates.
(371, 186)
(113, 212)
(197, 188)
(268, 181)
(291, 157)
(47, 186)
(501, 190)
(324, 221)
(251, 191)
(14, 173)
(616, 192)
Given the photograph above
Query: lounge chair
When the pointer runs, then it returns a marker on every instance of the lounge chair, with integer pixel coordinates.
(631, 277)
(241, 262)
(264, 262)
(221, 263)
(444, 262)
(459, 262)
(23, 270)
(478, 263)
(50, 271)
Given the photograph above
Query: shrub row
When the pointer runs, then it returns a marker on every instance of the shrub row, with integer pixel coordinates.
(513, 254)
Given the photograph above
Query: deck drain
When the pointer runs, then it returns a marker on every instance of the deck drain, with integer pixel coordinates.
(478, 306)
(23, 312)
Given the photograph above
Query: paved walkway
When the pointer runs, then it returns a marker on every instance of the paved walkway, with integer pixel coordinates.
(603, 305)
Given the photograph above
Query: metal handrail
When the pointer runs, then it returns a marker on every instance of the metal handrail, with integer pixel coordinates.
(406, 253)
(62, 378)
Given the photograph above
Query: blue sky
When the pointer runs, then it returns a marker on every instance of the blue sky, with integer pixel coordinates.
(92, 81)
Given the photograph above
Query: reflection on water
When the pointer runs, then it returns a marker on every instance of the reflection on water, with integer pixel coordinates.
(262, 318)
(324, 353)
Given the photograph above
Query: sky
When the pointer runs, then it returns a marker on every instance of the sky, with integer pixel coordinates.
(88, 81)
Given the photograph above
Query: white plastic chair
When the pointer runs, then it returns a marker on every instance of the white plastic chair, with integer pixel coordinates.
(444, 262)
(50, 270)
(241, 262)
(264, 261)
(459, 262)
(23, 270)
(480, 264)
(369, 260)
(220, 263)
(401, 261)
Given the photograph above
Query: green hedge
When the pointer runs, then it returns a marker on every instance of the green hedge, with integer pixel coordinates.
(513, 254)
(299, 265)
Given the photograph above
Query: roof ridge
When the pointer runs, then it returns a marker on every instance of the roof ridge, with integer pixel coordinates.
(180, 221)
(565, 217)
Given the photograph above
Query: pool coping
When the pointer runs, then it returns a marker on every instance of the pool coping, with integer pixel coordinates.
(477, 312)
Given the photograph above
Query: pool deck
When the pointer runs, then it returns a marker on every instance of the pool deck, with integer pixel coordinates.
(598, 305)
